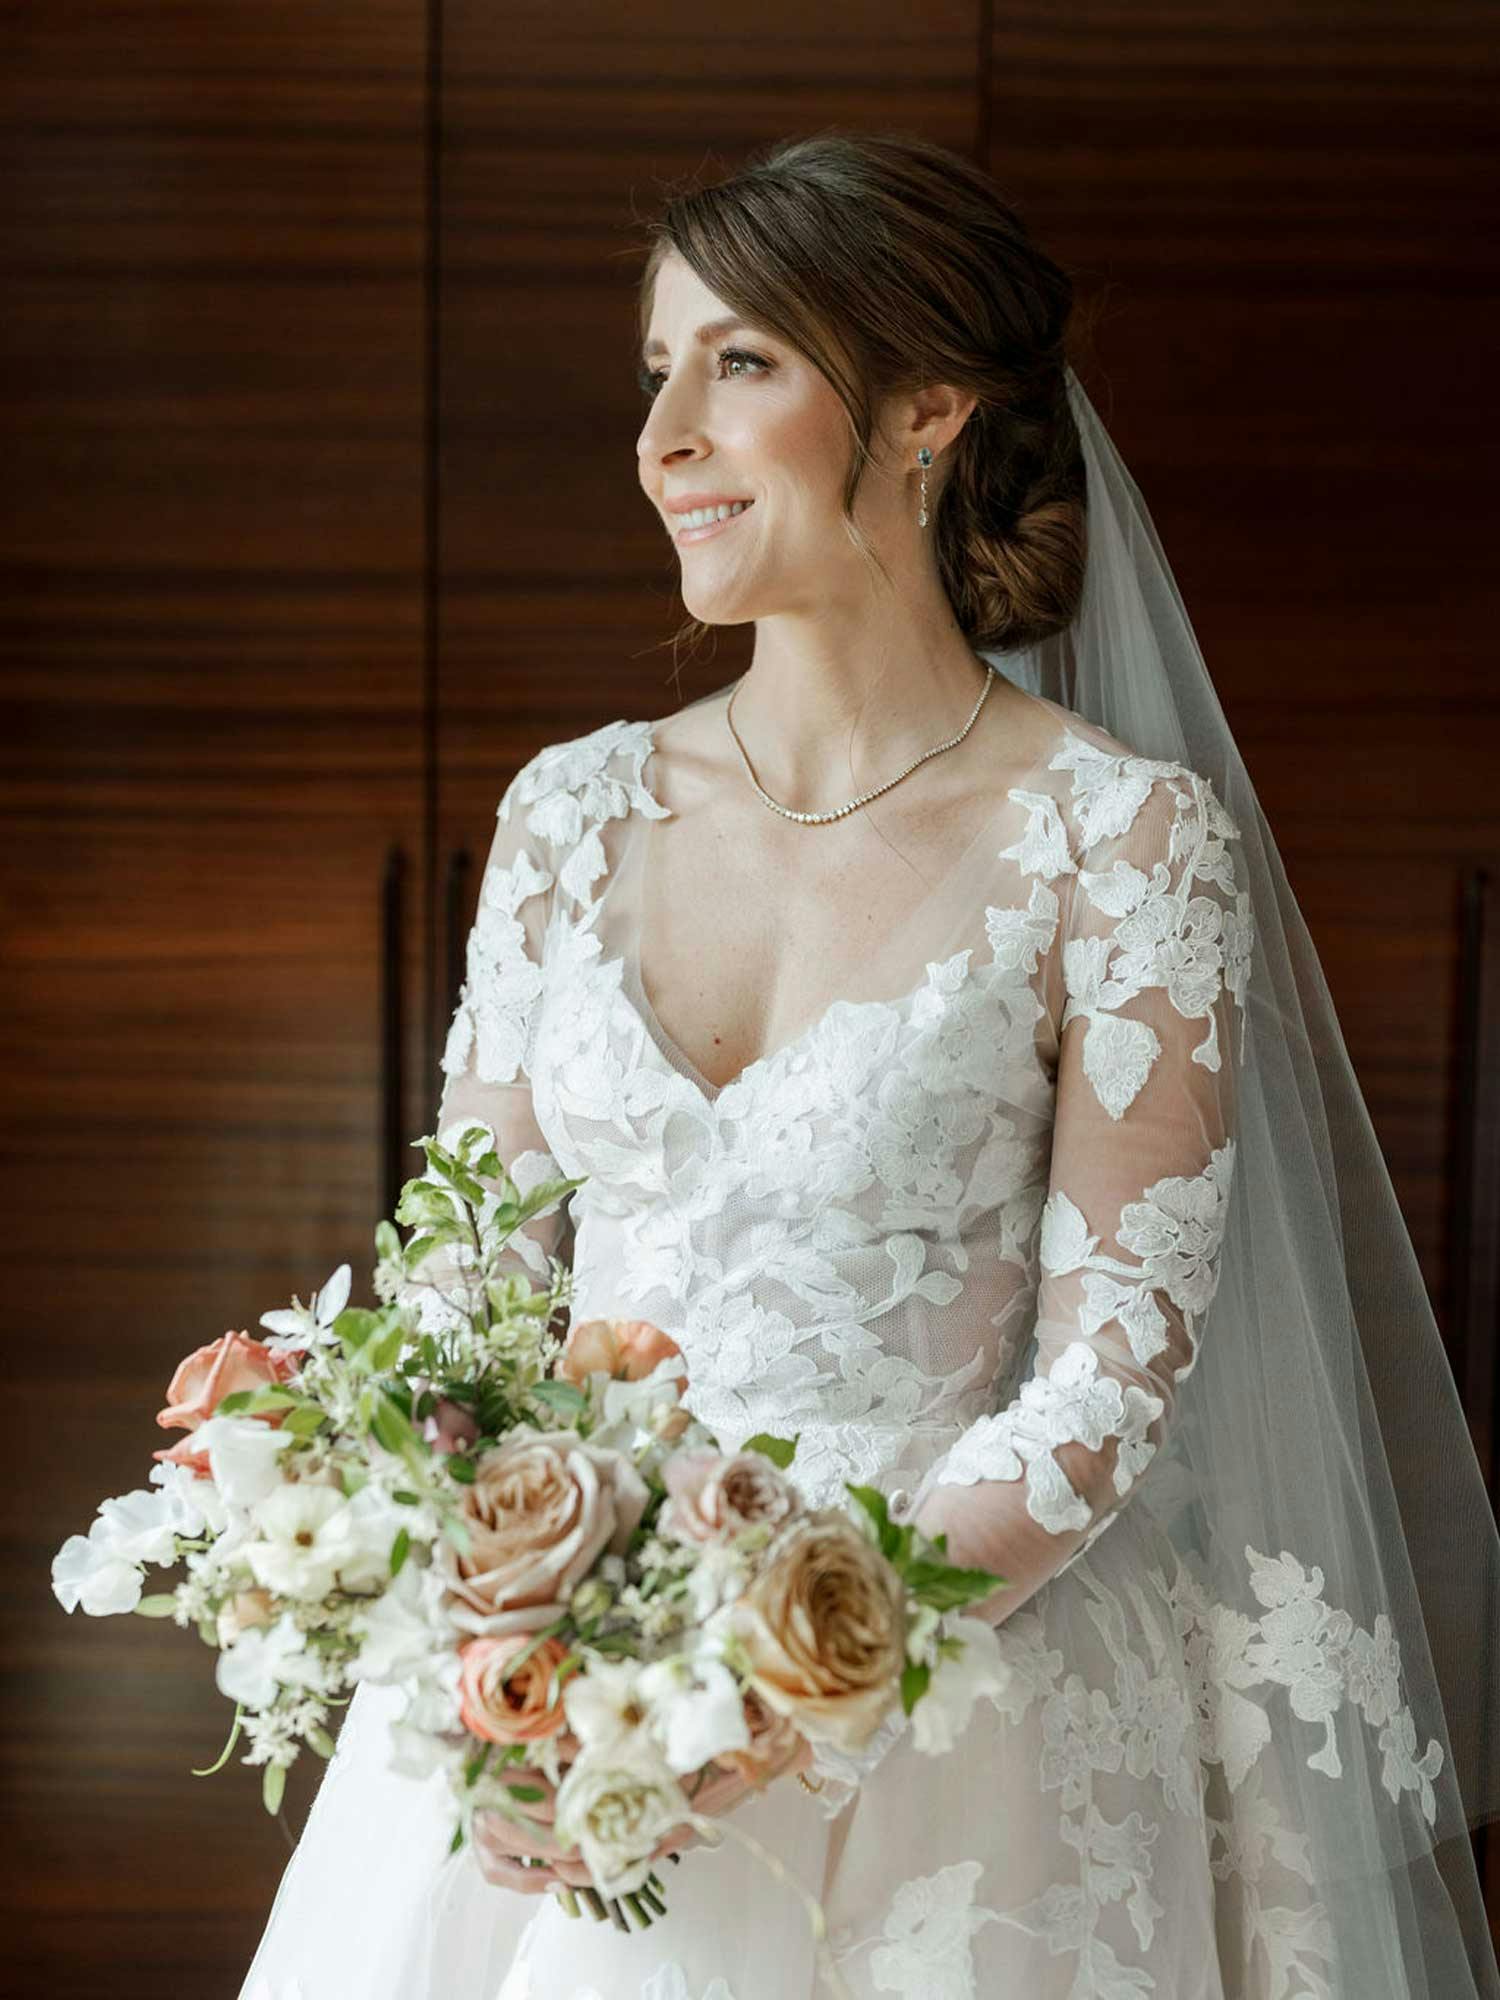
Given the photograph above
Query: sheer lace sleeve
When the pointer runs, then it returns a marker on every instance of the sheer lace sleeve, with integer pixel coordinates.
(486, 1060)
(1154, 964)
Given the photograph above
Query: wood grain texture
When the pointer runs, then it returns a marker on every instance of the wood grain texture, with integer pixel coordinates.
(323, 514)
(214, 245)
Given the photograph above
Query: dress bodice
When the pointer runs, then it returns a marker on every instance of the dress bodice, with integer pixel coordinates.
(845, 1238)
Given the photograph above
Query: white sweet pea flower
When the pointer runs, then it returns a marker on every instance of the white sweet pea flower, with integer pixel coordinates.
(143, 1525)
(400, 1631)
(299, 1327)
(303, 1540)
(617, 1805)
(631, 1408)
(605, 1707)
(697, 1710)
(90, 1570)
(369, 1527)
(942, 1712)
(196, 1505)
(242, 1456)
(264, 1659)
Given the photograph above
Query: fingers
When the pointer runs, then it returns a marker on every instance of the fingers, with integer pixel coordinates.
(508, 1840)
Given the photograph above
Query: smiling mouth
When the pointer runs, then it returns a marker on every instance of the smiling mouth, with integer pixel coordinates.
(712, 527)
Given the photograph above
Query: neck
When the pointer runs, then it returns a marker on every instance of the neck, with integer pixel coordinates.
(821, 726)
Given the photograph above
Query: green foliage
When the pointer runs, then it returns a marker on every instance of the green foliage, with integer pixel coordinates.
(942, 1585)
(780, 1451)
(160, 1605)
(914, 1678)
(272, 1785)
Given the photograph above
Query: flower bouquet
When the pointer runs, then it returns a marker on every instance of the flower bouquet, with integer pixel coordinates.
(535, 1539)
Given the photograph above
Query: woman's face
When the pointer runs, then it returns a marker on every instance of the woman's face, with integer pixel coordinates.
(738, 414)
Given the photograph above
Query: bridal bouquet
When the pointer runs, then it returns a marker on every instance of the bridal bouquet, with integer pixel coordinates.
(534, 1538)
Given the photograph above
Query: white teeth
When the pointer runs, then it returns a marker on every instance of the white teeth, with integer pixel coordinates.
(701, 516)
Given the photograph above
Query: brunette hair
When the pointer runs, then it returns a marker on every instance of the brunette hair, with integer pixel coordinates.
(890, 263)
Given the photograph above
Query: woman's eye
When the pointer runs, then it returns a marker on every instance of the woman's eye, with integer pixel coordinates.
(651, 379)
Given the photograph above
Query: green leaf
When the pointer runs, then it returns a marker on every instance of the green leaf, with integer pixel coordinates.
(946, 1588)
(305, 1421)
(780, 1451)
(272, 1785)
(565, 1397)
(458, 1533)
(476, 1765)
(914, 1678)
(874, 1503)
(234, 1737)
(392, 1426)
(387, 1241)
(399, 1548)
(160, 1605)
(406, 1498)
(319, 1739)
(354, 1326)
(527, 1794)
(461, 1468)
(458, 1839)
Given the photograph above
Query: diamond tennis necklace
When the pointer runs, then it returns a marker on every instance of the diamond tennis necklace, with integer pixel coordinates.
(817, 819)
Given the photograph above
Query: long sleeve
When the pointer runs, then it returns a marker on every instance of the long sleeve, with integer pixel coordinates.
(1155, 952)
(486, 1060)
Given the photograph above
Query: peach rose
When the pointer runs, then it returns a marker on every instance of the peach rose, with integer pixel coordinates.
(506, 1707)
(626, 1349)
(543, 1507)
(712, 1498)
(824, 1623)
(205, 1377)
(245, 1608)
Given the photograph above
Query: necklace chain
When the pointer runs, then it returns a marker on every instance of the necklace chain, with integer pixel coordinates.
(838, 812)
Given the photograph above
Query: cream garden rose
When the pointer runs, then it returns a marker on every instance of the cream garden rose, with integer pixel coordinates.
(543, 1506)
(711, 1498)
(824, 1626)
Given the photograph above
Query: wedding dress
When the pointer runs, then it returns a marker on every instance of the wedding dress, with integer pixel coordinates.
(961, 1231)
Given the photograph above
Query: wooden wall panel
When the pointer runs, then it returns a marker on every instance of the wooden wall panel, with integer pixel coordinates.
(214, 250)
(1285, 219)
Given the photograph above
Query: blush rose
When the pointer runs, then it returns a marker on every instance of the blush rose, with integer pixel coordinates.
(543, 1506)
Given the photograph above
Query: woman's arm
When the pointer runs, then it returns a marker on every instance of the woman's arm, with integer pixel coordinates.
(1154, 960)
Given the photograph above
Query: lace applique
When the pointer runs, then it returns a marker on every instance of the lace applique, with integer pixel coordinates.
(494, 1017)
(1073, 1404)
(1163, 935)
(572, 788)
(1177, 1231)
(925, 1949)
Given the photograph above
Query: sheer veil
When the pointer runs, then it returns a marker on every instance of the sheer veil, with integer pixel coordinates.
(1322, 1427)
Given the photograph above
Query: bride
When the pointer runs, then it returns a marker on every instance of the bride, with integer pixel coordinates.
(952, 1076)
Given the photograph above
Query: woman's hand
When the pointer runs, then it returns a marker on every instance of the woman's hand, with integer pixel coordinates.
(502, 1847)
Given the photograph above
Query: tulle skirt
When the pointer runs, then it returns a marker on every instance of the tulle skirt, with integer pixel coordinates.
(1106, 1830)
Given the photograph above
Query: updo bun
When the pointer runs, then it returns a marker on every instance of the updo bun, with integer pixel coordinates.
(891, 262)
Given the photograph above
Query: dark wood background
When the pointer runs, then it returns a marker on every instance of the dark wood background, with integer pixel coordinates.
(321, 515)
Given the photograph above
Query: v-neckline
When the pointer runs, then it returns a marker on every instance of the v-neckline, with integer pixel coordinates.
(633, 985)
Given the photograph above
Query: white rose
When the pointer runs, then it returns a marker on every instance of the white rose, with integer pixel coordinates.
(616, 1807)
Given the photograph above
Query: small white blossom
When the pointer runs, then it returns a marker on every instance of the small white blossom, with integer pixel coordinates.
(295, 1330)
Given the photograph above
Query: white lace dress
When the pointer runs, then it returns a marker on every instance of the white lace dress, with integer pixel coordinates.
(961, 1234)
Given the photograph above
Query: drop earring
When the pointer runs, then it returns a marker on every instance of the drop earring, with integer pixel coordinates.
(924, 459)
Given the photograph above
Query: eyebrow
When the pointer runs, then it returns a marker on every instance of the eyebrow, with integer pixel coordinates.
(711, 331)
